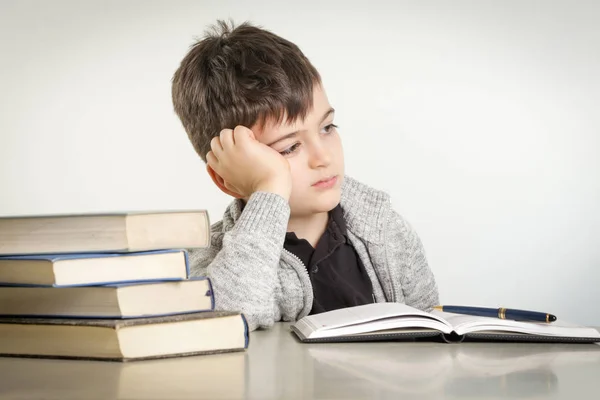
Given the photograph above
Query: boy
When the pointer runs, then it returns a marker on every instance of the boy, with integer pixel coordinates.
(300, 236)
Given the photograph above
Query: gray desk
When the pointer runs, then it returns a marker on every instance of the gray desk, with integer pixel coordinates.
(278, 367)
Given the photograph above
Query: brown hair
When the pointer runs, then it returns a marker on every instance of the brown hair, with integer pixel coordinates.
(240, 76)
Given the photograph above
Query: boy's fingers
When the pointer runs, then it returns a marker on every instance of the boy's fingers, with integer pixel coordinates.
(242, 134)
(212, 161)
(227, 140)
(215, 145)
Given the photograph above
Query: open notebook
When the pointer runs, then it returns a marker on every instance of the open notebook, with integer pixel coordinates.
(387, 321)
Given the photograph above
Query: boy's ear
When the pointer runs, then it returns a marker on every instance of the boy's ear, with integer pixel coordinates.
(221, 183)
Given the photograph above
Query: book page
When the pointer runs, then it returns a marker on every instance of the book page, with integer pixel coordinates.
(369, 317)
(360, 314)
(467, 324)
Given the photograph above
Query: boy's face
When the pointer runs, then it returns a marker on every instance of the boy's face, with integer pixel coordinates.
(314, 151)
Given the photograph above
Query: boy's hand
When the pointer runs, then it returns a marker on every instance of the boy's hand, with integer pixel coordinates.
(246, 166)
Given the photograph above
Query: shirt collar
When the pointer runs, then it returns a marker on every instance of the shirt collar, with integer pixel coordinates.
(335, 222)
(337, 217)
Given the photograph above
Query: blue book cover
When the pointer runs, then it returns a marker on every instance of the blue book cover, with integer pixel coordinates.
(78, 256)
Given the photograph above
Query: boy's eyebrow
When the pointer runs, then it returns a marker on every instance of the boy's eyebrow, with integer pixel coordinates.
(292, 134)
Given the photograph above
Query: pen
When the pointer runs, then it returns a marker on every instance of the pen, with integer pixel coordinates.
(502, 313)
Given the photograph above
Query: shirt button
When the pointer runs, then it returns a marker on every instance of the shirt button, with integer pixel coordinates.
(315, 269)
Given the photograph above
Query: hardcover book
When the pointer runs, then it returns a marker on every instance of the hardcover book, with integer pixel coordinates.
(393, 321)
(95, 233)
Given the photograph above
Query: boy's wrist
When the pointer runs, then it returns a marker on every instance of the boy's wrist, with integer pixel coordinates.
(275, 188)
(266, 214)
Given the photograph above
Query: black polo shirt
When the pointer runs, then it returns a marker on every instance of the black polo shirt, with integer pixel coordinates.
(338, 277)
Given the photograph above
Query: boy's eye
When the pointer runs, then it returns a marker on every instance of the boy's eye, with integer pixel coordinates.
(329, 128)
(290, 150)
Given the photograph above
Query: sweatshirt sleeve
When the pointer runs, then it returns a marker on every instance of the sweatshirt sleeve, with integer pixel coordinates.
(416, 279)
(242, 263)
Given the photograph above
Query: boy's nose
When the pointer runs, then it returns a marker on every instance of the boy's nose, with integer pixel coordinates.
(319, 156)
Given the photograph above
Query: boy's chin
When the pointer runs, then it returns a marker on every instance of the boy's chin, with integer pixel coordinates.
(319, 204)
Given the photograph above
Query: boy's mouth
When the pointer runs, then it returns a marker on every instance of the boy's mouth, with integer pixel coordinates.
(326, 183)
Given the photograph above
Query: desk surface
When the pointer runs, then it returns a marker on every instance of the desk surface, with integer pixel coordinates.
(277, 366)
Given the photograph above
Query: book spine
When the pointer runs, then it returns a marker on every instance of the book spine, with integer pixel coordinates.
(187, 264)
(246, 331)
(211, 293)
(207, 229)
(452, 337)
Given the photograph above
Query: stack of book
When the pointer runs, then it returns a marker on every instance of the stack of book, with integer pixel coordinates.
(110, 287)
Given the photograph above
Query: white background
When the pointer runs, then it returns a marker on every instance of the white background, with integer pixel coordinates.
(480, 118)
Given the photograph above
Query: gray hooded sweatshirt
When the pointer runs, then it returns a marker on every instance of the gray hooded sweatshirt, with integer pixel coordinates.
(252, 273)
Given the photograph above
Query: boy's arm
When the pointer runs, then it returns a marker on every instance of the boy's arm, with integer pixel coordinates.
(242, 263)
(417, 281)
